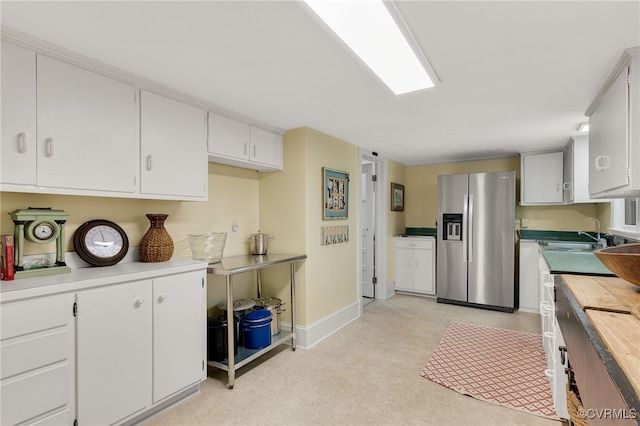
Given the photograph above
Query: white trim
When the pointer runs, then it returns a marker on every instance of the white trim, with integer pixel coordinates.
(310, 335)
(617, 220)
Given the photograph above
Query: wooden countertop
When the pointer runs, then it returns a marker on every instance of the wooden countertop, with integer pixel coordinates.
(603, 293)
(621, 334)
(608, 304)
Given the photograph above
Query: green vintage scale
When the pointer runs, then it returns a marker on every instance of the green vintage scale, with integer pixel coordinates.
(40, 226)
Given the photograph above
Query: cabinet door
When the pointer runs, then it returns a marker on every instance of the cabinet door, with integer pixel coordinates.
(18, 116)
(113, 352)
(86, 131)
(228, 137)
(542, 178)
(609, 138)
(404, 269)
(529, 298)
(179, 333)
(266, 148)
(423, 270)
(173, 148)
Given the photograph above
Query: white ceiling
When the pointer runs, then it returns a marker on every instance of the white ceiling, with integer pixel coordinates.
(515, 76)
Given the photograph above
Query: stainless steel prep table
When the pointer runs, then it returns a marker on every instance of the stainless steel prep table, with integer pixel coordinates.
(230, 266)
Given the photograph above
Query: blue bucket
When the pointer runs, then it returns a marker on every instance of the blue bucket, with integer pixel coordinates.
(256, 329)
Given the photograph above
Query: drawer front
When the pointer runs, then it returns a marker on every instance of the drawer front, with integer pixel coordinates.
(423, 243)
(22, 318)
(32, 395)
(59, 419)
(34, 352)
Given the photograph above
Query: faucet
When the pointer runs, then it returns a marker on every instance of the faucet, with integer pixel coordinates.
(601, 241)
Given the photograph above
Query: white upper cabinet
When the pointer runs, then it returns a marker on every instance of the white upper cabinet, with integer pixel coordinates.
(542, 178)
(228, 137)
(173, 149)
(614, 132)
(576, 172)
(266, 148)
(18, 116)
(86, 129)
(239, 144)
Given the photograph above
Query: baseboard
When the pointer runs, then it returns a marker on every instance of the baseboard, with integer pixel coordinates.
(307, 336)
(530, 310)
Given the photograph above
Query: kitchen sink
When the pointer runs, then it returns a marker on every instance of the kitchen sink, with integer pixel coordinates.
(569, 246)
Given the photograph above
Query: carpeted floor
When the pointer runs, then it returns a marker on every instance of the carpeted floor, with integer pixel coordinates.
(500, 366)
(365, 374)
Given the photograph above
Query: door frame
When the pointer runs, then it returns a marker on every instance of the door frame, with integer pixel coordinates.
(383, 288)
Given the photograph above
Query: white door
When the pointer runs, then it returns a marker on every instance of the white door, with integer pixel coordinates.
(423, 278)
(367, 224)
(179, 330)
(266, 148)
(113, 352)
(404, 268)
(228, 137)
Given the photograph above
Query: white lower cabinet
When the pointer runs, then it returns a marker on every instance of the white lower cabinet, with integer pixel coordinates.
(114, 352)
(414, 260)
(529, 295)
(179, 324)
(105, 355)
(37, 362)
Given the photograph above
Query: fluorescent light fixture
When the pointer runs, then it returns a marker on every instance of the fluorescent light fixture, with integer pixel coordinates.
(367, 27)
(583, 128)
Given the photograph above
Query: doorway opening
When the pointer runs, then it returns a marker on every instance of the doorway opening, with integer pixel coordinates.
(368, 185)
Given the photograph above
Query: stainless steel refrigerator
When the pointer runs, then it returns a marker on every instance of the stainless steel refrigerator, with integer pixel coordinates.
(476, 240)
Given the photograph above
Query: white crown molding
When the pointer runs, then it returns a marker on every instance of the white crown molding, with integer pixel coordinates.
(51, 50)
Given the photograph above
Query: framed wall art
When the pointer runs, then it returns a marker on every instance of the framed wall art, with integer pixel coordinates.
(335, 192)
(397, 197)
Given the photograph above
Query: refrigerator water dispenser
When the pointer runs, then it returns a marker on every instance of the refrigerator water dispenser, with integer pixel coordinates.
(452, 229)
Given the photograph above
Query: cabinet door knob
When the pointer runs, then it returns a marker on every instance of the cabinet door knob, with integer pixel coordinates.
(245, 149)
(162, 298)
(149, 162)
(139, 302)
(22, 143)
(48, 147)
(602, 162)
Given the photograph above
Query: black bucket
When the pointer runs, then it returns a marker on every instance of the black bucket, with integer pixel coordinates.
(217, 339)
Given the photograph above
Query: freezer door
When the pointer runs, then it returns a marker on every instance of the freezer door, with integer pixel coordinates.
(491, 238)
(451, 270)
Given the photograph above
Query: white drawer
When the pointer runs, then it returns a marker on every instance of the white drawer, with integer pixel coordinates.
(61, 418)
(20, 356)
(30, 316)
(31, 395)
(423, 243)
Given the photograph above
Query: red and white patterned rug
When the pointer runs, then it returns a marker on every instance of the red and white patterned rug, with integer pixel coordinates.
(495, 365)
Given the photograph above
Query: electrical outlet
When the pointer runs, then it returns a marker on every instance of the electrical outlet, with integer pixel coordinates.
(234, 229)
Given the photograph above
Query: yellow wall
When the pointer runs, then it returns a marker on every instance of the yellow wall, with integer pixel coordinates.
(291, 206)
(421, 198)
(233, 196)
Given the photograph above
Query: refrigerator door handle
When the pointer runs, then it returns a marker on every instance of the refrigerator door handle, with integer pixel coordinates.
(465, 215)
(470, 229)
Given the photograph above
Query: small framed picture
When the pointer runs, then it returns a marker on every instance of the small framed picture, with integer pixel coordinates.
(335, 203)
(397, 197)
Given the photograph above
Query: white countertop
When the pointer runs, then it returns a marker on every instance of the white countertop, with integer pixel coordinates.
(82, 278)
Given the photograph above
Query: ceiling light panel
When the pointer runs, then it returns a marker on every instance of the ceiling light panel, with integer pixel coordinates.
(369, 30)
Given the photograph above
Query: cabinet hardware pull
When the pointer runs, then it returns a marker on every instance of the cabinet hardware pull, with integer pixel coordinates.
(602, 162)
(245, 149)
(139, 302)
(22, 143)
(162, 298)
(149, 162)
(566, 186)
(557, 186)
(49, 147)
(254, 150)
(563, 351)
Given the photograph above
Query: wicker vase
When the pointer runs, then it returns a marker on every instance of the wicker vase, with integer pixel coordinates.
(156, 245)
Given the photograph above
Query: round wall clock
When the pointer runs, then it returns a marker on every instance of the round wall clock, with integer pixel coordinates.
(101, 242)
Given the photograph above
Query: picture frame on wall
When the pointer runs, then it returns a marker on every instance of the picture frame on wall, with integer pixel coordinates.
(397, 197)
(335, 192)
